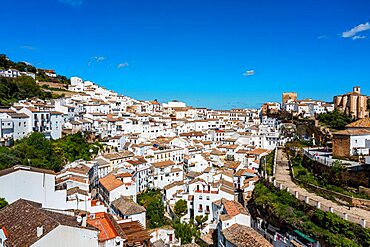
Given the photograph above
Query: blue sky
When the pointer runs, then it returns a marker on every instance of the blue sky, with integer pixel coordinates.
(198, 51)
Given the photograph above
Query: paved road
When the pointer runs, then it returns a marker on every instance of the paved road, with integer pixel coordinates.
(282, 175)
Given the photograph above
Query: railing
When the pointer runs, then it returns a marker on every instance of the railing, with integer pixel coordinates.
(327, 160)
(316, 203)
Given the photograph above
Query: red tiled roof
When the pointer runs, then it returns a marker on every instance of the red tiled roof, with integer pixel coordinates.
(105, 226)
(163, 164)
(110, 182)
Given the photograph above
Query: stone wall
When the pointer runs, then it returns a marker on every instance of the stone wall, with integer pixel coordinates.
(351, 178)
(341, 146)
(364, 190)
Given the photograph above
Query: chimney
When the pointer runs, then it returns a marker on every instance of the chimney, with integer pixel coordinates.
(84, 221)
(40, 231)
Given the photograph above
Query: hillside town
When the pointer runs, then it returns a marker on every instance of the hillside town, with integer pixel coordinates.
(208, 160)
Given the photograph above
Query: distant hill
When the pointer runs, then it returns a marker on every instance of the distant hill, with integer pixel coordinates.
(41, 74)
(6, 63)
(21, 86)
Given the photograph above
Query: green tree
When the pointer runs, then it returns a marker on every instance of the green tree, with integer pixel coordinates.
(74, 147)
(152, 201)
(335, 119)
(336, 172)
(201, 220)
(181, 207)
(185, 231)
(22, 87)
(37, 151)
(3, 203)
(5, 62)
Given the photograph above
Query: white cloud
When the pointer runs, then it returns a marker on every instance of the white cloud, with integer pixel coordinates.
(323, 37)
(249, 72)
(360, 28)
(73, 3)
(28, 47)
(122, 65)
(27, 63)
(99, 59)
(96, 59)
(359, 37)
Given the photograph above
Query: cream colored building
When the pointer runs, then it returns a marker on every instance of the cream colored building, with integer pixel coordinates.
(353, 104)
(289, 97)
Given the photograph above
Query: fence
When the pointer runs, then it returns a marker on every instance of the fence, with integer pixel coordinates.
(339, 197)
(327, 160)
(317, 204)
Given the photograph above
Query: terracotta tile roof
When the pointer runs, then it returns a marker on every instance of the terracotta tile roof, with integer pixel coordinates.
(127, 206)
(76, 190)
(137, 161)
(244, 171)
(232, 164)
(118, 155)
(56, 113)
(18, 115)
(105, 226)
(352, 132)
(361, 123)
(234, 208)
(123, 175)
(240, 235)
(71, 178)
(194, 133)
(217, 152)
(171, 185)
(192, 174)
(227, 173)
(257, 151)
(22, 217)
(81, 169)
(110, 182)
(6, 110)
(135, 233)
(225, 217)
(25, 168)
(176, 169)
(163, 164)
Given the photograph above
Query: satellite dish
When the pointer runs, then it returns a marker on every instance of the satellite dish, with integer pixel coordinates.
(118, 239)
(79, 219)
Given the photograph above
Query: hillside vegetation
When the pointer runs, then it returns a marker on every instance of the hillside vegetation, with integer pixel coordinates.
(37, 151)
(328, 228)
(335, 120)
(24, 87)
